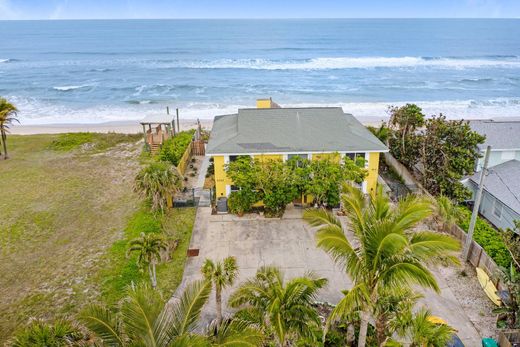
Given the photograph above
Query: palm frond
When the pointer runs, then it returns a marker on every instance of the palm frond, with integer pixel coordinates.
(187, 310)
(104, 324)
(140, 310)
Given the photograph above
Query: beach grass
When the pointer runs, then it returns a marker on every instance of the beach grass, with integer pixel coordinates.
(66, 216)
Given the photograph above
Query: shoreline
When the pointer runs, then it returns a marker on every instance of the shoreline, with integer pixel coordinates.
(129, 126)
(134, 127)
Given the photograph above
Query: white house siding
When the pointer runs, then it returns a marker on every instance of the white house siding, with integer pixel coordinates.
(505, 219)
(498, 157)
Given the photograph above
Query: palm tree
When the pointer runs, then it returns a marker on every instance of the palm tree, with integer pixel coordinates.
(385, 252)
(284, 308)
(158, 182)
(445, 212)
(421, 331)
(221, 274)
(144, 319)
(149, 247)
(7, 117)
(234, 332)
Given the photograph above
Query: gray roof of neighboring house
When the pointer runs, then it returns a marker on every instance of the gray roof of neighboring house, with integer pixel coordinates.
(313, 129)
(500, 134)
(503, 182)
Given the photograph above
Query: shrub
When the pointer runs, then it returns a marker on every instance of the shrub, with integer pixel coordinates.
(156, 182)
(240, 202)
(40, 333)
(70, 141)
(173, 148)
(488, 238)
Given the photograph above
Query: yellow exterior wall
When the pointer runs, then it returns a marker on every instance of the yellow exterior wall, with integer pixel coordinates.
(221, 179)
(266, 157)
(373, 173)
(263, 103)
(332, 156)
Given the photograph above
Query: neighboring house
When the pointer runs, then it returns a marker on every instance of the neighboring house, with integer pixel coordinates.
(271, 132)
(501, 194)
(504, 138)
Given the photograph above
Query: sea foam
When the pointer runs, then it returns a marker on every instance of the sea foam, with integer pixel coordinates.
(331, 63)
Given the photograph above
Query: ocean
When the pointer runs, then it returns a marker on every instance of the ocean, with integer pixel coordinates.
(112, 70)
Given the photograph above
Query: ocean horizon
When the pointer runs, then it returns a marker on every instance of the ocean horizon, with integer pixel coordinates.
(91, 71)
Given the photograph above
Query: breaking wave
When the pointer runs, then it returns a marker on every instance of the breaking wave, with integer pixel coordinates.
(349, 63)
(69, 88)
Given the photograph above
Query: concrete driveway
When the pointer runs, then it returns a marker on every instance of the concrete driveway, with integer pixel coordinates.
(289, 244)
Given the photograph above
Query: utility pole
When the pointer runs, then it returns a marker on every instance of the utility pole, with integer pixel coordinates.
(476, 206)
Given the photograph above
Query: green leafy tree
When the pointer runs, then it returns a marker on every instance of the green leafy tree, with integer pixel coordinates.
(222, 274)
(59, 333)
(173, 149)
(7, 117)
(382, 133)
(144, 319)
(157, 182)
(404, 122)
(386, 253)
(447, 152)
(148, 248)
(275, 186)
(282, 308)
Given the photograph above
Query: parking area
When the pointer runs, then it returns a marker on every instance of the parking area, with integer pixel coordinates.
(289, 244)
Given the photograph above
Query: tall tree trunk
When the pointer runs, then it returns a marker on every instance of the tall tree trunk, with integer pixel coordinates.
(4, 142)
(363, 328)
(351, 335)
(153, 278)
(381, 324)
(218, 300)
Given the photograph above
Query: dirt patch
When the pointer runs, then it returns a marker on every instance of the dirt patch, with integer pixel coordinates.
(467, 290)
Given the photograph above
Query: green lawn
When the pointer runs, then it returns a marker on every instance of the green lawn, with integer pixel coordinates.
(67, 211)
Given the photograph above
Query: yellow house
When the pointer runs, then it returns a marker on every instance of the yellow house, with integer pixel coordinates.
(272, 132)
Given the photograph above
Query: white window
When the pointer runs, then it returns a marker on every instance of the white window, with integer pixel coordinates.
(497, 209)
(508, 155)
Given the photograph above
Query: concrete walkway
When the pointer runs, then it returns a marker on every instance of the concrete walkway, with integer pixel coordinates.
(289, 243)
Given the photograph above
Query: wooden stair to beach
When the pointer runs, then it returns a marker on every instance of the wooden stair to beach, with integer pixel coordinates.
(154, 148)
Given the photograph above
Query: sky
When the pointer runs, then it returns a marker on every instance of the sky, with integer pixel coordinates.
(120, 9)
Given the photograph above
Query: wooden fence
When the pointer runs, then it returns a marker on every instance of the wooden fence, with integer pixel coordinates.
(185, 159)
(477, 256)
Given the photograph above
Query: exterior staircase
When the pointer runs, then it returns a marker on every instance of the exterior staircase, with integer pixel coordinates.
(154, 148)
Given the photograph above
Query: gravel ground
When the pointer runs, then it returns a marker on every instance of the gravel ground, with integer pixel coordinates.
(472, 298)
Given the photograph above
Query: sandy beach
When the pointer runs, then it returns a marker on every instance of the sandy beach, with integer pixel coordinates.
(127, 127)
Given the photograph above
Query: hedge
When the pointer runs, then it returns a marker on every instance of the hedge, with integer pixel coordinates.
(173, 148)
(488, 237)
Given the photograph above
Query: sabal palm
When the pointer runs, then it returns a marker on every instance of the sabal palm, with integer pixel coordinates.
(386, 253)
(7, 117)
(148, 248)
(157, 182)
(421, 331)
(146, 320)
(234, 332)
(221, 274)
(284, 308)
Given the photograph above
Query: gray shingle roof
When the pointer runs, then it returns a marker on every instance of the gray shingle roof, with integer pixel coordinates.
(503, 182)
(500, 134)
(313, 129)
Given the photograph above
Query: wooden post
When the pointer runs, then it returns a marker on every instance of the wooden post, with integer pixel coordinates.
(144, 136)
(178, 125)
